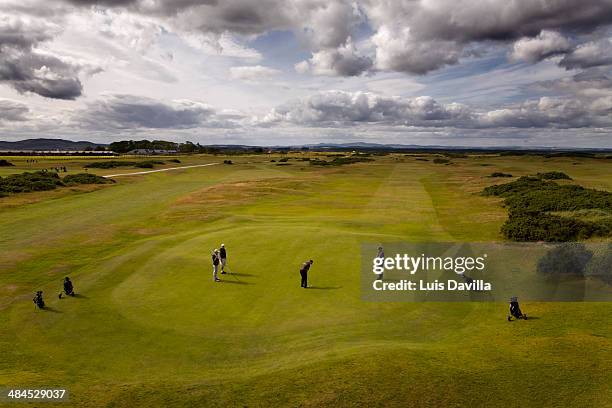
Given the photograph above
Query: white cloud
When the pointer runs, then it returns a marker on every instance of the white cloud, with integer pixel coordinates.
(544, 45)
(253, 73)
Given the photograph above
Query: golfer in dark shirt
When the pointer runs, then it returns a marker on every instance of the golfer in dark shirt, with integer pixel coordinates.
(215, 262)
(223, 257)
(304, 273)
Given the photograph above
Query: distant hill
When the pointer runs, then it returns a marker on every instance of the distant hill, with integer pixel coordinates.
(47, 144)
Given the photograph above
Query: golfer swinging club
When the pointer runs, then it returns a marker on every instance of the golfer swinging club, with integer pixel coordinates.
(304, 273)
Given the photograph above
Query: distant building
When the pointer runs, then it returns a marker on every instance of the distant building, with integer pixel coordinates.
(56, 153)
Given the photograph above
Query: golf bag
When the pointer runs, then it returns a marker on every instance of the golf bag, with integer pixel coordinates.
(38, 300)
(68, 288)
(515, 310)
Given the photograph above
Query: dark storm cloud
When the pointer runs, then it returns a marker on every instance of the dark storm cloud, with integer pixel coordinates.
(11, 111)
(417, 37)
(132, 112)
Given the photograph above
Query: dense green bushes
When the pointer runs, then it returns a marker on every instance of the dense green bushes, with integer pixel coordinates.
(553, 175)
(565, 259)
(5, 163)
(28, 182)
(43, 181)
(85, 178)
(530, 200)
(149, 164)
(500, 174)
(111, 164)
(339, 161)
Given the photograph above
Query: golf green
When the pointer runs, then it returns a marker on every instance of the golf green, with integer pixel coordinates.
(150, 327)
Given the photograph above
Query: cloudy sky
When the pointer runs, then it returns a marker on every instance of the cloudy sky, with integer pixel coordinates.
(448, 72)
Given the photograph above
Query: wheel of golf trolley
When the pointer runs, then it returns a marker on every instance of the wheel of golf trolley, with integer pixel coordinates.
(509, 318)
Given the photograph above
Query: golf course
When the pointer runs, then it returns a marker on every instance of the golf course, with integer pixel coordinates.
(150, 327)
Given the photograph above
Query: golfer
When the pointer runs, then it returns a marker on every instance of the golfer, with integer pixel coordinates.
(304, 273)
(223, 257)
(215, 262)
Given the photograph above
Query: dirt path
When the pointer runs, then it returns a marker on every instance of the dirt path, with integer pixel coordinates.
(155, 171)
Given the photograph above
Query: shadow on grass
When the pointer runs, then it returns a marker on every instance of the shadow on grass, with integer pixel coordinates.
(52, 310)
(78, 295)
(324, 287)
(236, 282)
(241, 274)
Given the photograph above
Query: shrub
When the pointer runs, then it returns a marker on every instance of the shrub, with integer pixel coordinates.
(500, 174)
(339, 161)
(553, 175)
(174, 161)
(530, 200)
(109, 164)
(149, 164)
(438, 160)
(283, 160)
(601, 265)
(28, 182)
(85, 178)
(565, 259)
(227, 162)
(5, 163)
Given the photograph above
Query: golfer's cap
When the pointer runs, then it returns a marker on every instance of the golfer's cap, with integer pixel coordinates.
(222, 245)
(514, 299)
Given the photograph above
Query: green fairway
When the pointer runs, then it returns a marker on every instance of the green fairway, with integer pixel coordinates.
(150, 327)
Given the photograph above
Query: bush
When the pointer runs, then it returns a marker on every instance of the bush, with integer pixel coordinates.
(5, 163)
(227, 162)
(530, 201)
(500, 174)
(339, 161)
(28, 182)
(283, 160)
(601, 266)
(174, 161)
(85, 178)
(565, 259)
(438, 160)
(149, 164)
(553, 175)
(109, 164)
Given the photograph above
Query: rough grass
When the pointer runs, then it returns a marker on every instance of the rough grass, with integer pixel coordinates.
(152, 329)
